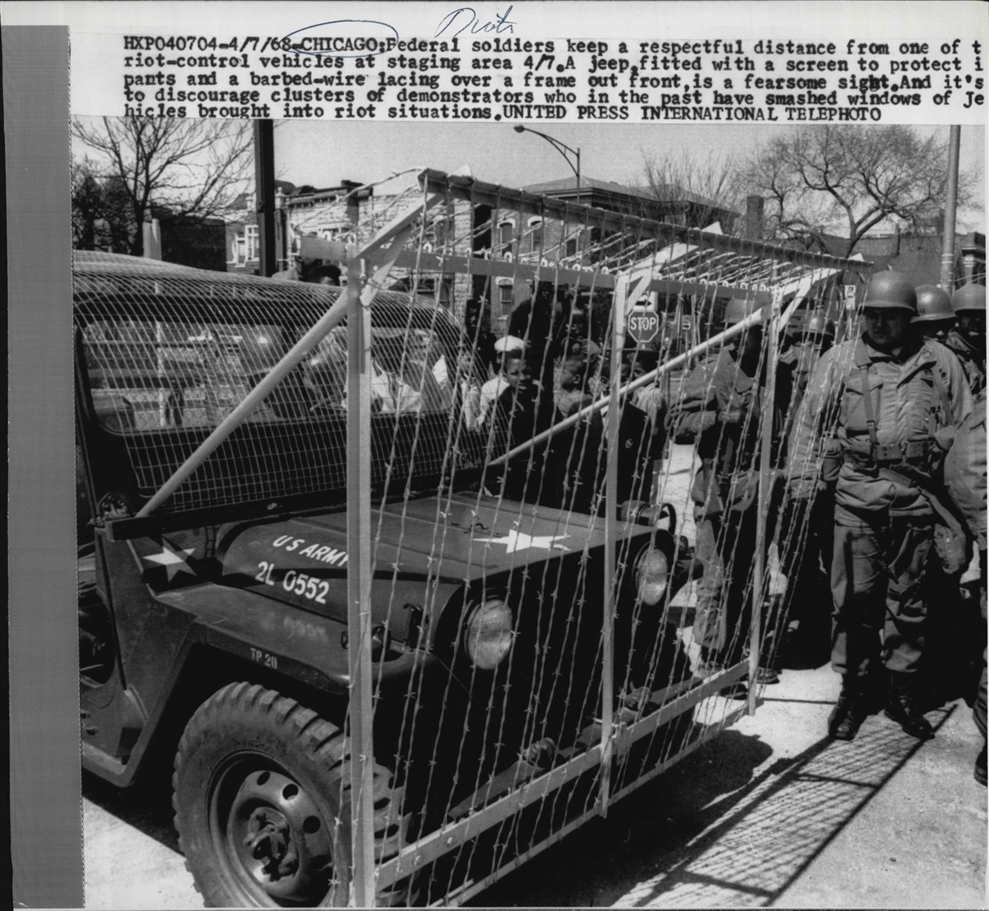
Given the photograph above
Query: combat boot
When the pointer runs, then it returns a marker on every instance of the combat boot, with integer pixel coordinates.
(903, 708)
(852, 709)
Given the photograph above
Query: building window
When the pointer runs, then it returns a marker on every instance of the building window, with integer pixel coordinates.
(571, 247)
(505, 297)
(535, 234)
(253, 239)
(506, 234)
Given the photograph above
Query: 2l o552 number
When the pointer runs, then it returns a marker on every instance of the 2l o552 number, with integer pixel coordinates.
(300, 583)
(306, 586)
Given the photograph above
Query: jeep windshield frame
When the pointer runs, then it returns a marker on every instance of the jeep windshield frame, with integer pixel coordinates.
(160, 362)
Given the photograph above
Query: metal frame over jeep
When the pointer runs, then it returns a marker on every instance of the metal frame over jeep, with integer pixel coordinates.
(379, 683)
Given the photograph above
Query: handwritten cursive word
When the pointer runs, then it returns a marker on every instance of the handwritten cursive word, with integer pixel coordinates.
(466, 18)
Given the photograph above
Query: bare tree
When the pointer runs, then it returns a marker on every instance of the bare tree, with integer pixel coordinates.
(699, 191)
(102, 217)
(192, 168)
(823, 181)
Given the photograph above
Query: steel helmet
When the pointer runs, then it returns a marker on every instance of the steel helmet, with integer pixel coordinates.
(933, 305)
(738, 308)
(818, 323)
(971, 297)
(891, 291)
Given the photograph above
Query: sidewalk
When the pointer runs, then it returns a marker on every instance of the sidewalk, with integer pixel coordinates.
(772, 814)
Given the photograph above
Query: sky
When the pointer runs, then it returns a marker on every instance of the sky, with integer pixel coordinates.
(325, 153)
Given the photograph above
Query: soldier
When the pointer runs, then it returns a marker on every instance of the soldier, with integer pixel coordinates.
(721, 407)
(946, 666)
(965, 478)
(883, 397)
(935, 317)
(968, 338)
(815, 336)
(807, 525)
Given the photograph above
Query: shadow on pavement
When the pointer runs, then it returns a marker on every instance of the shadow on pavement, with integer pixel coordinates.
(596, 864)
(147, 806)
(710, 832)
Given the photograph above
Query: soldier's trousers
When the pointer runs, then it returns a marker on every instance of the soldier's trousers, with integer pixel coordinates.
(876, 584)
(726, 545)
(805, 541)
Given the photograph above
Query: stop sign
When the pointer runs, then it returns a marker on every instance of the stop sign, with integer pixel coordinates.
(643, 325)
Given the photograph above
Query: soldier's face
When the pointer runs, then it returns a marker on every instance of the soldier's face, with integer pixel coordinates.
(887, 329)
(937, 329)
(972, 324)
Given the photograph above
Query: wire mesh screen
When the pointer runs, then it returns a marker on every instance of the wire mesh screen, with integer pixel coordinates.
(581, 546)
(170, 352)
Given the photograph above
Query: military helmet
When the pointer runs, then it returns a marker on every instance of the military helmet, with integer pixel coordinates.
(818, 323)
(891, 291)
(971, 297)
(738, 309)
(933, 305)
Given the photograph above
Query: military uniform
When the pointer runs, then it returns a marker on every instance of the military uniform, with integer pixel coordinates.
(725, 492)
(965, 478)
(886, 410)
(806, 526)
(973, 361)
(801, 359)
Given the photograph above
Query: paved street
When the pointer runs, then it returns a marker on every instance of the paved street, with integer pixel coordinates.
(769, 814)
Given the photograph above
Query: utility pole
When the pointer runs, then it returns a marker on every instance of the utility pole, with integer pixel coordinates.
(264, 184)
(951, 205)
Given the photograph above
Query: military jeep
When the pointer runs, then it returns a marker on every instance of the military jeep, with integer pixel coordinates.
(213, 631)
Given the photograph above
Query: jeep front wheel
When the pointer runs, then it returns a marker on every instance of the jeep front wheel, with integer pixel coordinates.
(262, 803)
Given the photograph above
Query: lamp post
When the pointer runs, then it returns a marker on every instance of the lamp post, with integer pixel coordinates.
(560, 147)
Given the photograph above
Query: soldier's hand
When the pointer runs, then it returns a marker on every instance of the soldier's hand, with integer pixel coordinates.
(732, 416)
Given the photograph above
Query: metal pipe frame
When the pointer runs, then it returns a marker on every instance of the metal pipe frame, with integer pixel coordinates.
(448, 838)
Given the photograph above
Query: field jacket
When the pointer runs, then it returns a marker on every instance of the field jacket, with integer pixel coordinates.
(884, 412)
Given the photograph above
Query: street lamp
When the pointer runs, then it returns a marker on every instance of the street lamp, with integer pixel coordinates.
(560, 147)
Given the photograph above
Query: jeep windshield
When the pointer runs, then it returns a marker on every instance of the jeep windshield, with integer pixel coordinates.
(167, 354)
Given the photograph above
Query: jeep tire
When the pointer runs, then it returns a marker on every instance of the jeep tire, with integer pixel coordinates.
(261, 792)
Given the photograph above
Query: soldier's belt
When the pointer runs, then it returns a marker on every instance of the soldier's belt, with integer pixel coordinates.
(880, 455)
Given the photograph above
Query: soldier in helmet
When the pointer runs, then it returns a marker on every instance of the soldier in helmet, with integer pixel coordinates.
(815, 335)
(883, 397)
(968, 338)
(806, 527)
(722, 405)
(965, 478)
(935, 317)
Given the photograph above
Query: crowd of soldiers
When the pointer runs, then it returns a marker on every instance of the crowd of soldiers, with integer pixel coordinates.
(878, 489)
(880, 482)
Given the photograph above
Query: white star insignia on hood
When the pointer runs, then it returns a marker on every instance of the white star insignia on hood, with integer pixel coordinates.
(174, 561)
(519, 540)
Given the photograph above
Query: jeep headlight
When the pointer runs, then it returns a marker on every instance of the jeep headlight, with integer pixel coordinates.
(488, 634)
(652, 571)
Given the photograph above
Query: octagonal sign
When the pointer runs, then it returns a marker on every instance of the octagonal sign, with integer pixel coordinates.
(642, 325)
